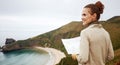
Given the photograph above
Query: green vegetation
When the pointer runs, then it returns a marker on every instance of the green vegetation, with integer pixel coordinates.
(53, 39)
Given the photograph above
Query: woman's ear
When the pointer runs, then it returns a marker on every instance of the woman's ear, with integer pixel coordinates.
(94, 16)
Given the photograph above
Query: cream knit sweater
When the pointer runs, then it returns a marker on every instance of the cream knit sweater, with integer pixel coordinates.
(96, 47)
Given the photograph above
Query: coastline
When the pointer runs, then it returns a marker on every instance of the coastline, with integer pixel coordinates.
(55, 55)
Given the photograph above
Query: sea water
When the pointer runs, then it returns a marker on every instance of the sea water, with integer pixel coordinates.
(24, 57)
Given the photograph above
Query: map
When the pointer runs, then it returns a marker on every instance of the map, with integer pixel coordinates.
(72, 45)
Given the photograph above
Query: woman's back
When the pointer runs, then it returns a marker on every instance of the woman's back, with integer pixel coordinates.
(99, 42)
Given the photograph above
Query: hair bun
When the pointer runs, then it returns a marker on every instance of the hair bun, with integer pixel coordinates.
(100, 6)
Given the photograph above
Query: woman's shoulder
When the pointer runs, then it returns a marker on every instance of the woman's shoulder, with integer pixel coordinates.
(84, 31)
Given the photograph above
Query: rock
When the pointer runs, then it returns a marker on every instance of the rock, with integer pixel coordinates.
(9, 41)
(0, 48)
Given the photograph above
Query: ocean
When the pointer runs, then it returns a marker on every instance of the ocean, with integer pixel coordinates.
(24, 57)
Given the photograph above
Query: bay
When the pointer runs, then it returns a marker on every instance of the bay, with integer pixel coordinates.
(24, 57)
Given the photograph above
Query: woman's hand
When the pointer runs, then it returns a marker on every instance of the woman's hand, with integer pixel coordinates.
(74, 56)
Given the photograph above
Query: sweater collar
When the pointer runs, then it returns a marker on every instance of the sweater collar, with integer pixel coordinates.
(95, 25)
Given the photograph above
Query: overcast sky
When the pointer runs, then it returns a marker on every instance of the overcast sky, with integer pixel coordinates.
(52, 11)
(53, 8)
(46, 15)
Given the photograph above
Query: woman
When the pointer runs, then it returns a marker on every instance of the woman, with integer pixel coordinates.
(95, 44)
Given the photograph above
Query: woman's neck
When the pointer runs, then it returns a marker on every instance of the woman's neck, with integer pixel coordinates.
(93, 22)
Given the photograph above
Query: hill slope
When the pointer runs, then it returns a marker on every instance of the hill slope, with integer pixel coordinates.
(115, 19)
(49, 39)
(53, 38)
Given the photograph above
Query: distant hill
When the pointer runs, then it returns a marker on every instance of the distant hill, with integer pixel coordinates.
(49, 39)
(73, 29)
(115, 19)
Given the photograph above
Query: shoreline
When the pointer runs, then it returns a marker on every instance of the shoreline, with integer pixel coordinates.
(55, 55)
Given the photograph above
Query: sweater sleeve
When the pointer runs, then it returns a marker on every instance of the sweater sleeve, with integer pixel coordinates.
(84, 48)
(110, 50)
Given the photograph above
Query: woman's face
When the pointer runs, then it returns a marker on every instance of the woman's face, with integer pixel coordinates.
(87, 17)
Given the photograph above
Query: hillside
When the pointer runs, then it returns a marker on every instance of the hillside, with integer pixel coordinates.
(53, 38)
(115, 19)
(49, 39)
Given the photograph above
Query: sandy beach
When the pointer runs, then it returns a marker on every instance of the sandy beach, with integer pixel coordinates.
(55, 55)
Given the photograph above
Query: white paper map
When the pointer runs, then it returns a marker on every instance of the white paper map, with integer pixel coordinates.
(72, 45)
